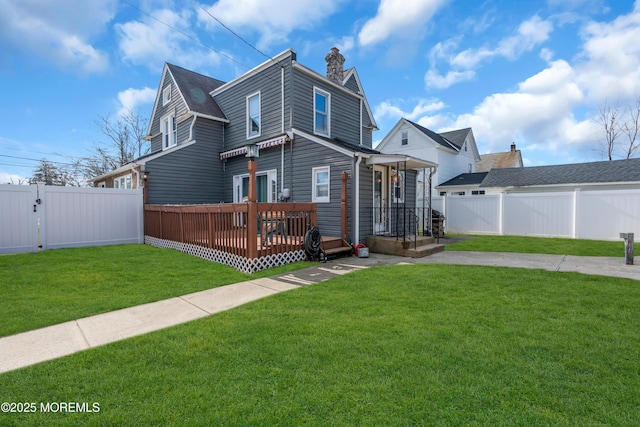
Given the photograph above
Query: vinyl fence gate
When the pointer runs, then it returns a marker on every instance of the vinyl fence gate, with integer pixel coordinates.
(39, 217)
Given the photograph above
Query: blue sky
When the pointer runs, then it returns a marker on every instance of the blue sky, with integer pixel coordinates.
(531, 72)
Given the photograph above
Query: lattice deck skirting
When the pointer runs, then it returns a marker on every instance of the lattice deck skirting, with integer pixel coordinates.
(246, 265)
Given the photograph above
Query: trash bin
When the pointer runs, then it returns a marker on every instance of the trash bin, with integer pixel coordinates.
(437, 224)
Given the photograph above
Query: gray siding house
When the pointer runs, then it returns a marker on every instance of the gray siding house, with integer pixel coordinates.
(310, 129)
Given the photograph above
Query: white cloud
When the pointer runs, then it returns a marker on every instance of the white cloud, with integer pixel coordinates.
(538, 115)
(398, 17)
(386, 110)
(530, 34)
(609, 66)
(151, 42)
(131, 98)
(59, 31)
(273, 20)
(433, 79)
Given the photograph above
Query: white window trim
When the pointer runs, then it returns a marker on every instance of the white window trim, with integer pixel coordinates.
(166, 95)
(314, 183)
(249, 135)
(402, 137)
(173, 134)
(123, 182)
(317, 90)
(400, 185)
(272, 176)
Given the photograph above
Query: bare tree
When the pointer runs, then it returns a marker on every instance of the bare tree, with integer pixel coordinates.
(631, 128)
(609, 119)
(617, 123)
(51, 173)
(126, 143)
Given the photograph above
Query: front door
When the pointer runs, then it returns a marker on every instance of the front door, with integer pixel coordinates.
(380, 199)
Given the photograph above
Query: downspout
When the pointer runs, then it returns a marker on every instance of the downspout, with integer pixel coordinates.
(361, 101)
(356, 201)
(193, 123)
(282, 95)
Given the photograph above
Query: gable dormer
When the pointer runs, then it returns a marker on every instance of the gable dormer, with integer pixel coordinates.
(182, 94)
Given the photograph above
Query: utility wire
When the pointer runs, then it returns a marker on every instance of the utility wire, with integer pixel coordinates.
(234, 33)
(35, 160)
(195, 39)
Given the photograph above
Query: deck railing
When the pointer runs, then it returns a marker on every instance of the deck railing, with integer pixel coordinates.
(248, 230)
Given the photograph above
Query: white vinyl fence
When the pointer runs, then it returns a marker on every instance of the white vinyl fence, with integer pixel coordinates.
(39, 217)
(580, 214)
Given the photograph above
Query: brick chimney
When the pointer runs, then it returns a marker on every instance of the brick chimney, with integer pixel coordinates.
(335, 65)
(513, 147)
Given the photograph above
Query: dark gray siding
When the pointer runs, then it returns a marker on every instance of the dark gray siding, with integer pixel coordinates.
(345, 121)
(191, 174)
(306, 156)
(233, 102)
(366, 202)
(176, 105)
(269, 159)
(352, 84)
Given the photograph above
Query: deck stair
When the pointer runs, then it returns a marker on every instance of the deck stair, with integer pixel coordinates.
(335, 247)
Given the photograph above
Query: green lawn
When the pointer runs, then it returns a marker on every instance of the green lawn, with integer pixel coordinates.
(393, 345)
(42, 289)
(540, 245)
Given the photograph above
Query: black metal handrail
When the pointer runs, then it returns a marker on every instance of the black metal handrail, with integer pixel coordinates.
(405, 223)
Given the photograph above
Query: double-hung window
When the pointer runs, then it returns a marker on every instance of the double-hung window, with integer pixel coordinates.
(321, 185)
(166, 95)
(398, 187)
(169, 131)
(253, 115)
(405, 137)
(321, 112)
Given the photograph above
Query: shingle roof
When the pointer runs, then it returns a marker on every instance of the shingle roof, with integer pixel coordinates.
(474, 178)
(195, 89)
(509, 159)
(580, 173)
(457, 137)
(351, 146)
(436, 137)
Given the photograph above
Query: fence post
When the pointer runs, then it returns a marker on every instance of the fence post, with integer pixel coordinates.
(252, 211)
(41, 199)
(628, 247)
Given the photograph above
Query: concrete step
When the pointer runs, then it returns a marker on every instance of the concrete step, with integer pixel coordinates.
(424, 250)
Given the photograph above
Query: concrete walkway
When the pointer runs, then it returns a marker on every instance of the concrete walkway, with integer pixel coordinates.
(28, 348)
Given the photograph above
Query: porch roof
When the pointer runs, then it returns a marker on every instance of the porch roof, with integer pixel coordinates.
(394, 159)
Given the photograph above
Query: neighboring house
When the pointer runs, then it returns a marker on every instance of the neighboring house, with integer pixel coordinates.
(509, 159)
(454, 152)
(309, 128)
(463, 184)
(615, 174)
(125, 177)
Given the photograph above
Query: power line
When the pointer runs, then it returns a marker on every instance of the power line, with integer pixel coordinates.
(36, 160)
(36, 152)
(195, 39)
(234, 33)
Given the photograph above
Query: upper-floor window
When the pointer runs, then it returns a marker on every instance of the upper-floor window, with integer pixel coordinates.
(405, 137)
(320, 185)
(166, 95)
(253, 115)
(169, 131)
(322, 112)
